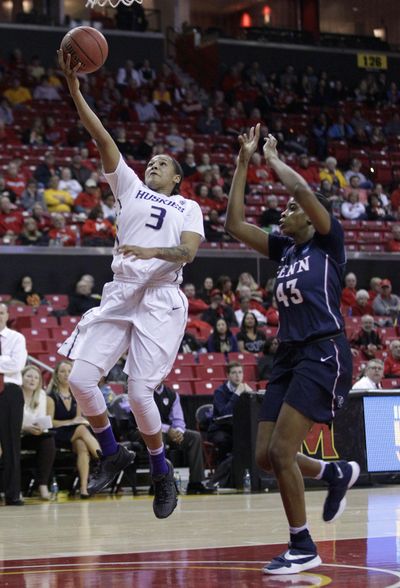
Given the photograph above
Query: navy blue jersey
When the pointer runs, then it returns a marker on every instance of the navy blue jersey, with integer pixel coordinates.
(309, 284)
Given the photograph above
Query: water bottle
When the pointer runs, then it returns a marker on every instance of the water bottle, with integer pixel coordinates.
(54, 489)
(246, 481)
(178, 482)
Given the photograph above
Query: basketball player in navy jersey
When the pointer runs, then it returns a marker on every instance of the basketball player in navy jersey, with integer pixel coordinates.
(142, 311)
(312, 371)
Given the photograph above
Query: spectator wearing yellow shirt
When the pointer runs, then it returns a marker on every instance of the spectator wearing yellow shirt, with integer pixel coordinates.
(17, 94)
(331, 173)
(57, 200)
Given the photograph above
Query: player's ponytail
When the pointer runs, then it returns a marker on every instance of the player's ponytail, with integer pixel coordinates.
(326, 203)
(179, 172)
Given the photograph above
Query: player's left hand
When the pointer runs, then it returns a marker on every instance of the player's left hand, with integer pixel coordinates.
(269, 147)
(137, 252)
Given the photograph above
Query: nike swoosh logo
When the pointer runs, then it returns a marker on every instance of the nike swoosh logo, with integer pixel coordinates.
(176, 307)
(291, 557)
(323, 359)
(339, 471)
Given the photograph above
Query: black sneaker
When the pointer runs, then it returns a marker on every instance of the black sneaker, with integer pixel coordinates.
(109, 467)
(165, 493)
(346, 474)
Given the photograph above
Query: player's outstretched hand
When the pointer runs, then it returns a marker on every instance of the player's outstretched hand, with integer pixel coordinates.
(137, 252)
(248, 144)
(69, 72)
(269, 147)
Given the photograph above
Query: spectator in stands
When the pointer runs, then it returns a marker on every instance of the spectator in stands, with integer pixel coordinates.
(5, 191)
(162, 98)
(126, 73)
(271, 215)
(189, 166)
(190, 344)
(32, 195)
(360, 124)
(245, 307)
(196, 305)
(392, 362)
(190, 104)
(6, 113)
(224, 283)
(319, 132)
(233, 123)
(392, 127)
(217, 309)
(34, 134)
(126, 147)
(30, 234)
(68, 183)
(57, 200)
(205, 163)
(340, 130)
(214, 227)
(307, 170)
(174, 139)
(42, 217)
(147, 75)
(372, 378)
(386, 303)
(145, 148)
(349, 291)
(395, 201)
(17, 95)
(108, 206)
(247, 280)
(71, 428)
(222, 339)
(352, 208)
(355, 170)
(145, 109)
(384, 198)
(46, 169)
(177, 435)
(363, 304)
(27, 293)
(374, 288)
(367, 340)
(46, 91)
(82, 300)
(331, 173)
(354, 186)
(11, 219)
(79, 171)
(265, 362)
(209, 124)
(60, 235)
(96, 230)
(225, 398)
(89, 198)
(35, 433)
(54, 135)
(258, 172)
(394, 243)
(250, 338)
(206, 289)
(375, 210)
(12, 360)
(15, 179)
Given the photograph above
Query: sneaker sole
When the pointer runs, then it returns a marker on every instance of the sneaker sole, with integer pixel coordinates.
(352, 481)
(92, 492)
(294, 568)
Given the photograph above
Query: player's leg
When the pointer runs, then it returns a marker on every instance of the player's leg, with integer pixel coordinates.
(159, 324)
(287, 436)
(82, 464)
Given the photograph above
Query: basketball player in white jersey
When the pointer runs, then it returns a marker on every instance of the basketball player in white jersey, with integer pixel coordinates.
(142, 310)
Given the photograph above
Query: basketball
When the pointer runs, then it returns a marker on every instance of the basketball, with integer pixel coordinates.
(86, 45)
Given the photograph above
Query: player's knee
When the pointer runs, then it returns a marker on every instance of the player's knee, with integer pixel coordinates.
(262, 460)
(278, 457)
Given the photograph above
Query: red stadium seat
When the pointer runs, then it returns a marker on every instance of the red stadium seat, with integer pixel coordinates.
(390, 383)
(212, 359)
(49, 359)
(185, 359)
(204, 387)
(182, 372)
(211, 372)
(44, 321)
(243, 358)
(183, 388)
(67, 321)
(58, 301)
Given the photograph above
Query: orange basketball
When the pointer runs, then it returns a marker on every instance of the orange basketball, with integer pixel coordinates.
(86, 45)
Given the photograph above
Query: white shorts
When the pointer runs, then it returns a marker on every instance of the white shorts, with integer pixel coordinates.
(148, 322)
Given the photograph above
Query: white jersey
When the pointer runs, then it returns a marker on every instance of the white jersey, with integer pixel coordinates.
(149, 219)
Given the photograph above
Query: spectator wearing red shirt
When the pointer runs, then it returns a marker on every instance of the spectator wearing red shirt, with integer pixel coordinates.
(196, 305)
(395, 201)
(349, 291)
(11, 219)
(15, 180)
(392, 362)
(363, 305)
(258, 172)
(308, 171)
(246, 292)
(393, 244)
(42, 218)
(367, 340)
(374, 288)
(87, 200)
(96, 230)
(61, 235)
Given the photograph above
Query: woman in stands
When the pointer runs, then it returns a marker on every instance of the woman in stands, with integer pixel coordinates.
(222, 340)
(312, 371)
(35, 434)
(250, 338)
(70, 426)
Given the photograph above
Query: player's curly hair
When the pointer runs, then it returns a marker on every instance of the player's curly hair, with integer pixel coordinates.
(326, 203)
(179, 172)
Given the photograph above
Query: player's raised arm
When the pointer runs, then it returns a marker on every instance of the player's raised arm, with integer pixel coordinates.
(298, 187)
(105, 143)
(235, 223)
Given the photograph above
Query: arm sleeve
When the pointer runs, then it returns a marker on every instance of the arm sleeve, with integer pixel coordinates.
(193, 220)
(123, 181)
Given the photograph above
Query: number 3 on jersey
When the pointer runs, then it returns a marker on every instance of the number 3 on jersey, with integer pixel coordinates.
(159, 216)
(294, 295)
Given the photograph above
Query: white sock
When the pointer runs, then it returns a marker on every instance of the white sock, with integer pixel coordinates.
(321, 473)
(295, 530)
(100, 429)
(156, 451)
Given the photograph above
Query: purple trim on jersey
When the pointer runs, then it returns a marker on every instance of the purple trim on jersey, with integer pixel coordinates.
(336, 380)
(326, 292)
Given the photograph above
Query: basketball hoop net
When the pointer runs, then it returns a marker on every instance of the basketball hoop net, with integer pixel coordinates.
(112, 3)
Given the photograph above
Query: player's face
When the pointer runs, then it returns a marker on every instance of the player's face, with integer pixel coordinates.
(293, 219)
(160, 174)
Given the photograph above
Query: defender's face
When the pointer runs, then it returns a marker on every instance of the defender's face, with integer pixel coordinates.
(293, 219)
(160, 174)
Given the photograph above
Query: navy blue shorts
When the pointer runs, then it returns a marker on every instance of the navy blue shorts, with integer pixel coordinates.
(314, 378)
